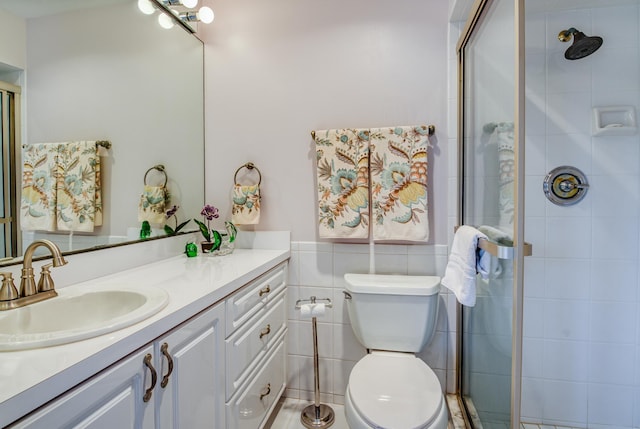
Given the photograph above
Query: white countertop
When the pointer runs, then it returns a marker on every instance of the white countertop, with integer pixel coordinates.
(30, 378)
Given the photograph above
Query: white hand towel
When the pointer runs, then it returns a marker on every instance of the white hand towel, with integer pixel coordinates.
(464, 263)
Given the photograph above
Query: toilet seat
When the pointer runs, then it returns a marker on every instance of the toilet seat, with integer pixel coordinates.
(395, 390)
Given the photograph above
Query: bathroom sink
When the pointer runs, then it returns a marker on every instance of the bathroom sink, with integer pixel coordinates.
(77, 314)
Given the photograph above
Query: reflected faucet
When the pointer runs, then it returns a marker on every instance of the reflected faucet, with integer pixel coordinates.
(29, 293)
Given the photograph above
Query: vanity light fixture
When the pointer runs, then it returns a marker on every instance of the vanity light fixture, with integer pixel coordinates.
(177, 8)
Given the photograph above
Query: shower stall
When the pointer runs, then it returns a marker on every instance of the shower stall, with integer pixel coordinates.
(549, 154)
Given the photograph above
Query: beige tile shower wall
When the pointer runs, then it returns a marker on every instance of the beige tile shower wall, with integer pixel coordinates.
(318, 269)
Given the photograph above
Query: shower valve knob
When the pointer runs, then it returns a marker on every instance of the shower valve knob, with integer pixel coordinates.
(567, 185)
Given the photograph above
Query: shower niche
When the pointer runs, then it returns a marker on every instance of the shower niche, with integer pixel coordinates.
(614, 121)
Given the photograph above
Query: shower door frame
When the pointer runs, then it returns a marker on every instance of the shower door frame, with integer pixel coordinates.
(11, 137)
(479, 10)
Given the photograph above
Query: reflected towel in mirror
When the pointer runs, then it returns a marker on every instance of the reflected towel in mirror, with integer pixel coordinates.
(61, 187)
(153, 203)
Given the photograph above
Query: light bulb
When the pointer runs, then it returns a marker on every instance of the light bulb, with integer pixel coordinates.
(146, 7)
(206, 15)
(165, 21)
(189, 3)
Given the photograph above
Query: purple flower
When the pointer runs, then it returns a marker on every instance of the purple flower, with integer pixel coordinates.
(210, 212)
(172, 211)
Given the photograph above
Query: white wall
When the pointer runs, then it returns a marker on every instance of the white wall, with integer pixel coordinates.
(277, 70)
(13, 41)
(581, 362)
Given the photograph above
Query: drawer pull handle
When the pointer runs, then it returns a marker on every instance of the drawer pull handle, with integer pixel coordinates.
(265, 391)
(265, 331)
(154, 377)
(165, 351)
(265, 290)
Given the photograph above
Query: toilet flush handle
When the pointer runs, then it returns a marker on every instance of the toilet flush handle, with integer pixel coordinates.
(347, 295)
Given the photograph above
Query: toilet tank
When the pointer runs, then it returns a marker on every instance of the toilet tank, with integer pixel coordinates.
(392, 312)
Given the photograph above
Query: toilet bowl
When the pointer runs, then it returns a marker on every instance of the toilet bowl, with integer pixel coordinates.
(394, 317)
(404, 393)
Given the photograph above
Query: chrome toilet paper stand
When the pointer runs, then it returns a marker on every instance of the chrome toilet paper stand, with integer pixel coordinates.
(316, 415)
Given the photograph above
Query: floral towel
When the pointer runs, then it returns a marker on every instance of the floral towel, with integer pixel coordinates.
(79, 199)
(38, 200)
(153, 203)
(399, 183)
(61, 187)
(343, 183)
(246, 204)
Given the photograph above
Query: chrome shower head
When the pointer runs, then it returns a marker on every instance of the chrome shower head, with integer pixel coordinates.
(582, 46)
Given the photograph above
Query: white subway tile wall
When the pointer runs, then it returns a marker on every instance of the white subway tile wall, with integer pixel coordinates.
(582, 306)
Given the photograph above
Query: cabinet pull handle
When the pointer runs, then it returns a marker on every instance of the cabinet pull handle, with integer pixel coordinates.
(154, 377)
(265, 290)
(265, 331)
(165, 351)
(265, 391)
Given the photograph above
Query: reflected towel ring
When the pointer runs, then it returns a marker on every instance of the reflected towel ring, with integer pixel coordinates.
(248, 166)
(160, 168)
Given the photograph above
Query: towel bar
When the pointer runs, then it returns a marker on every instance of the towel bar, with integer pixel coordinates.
(501, 251)
(104, 143)
(431, 129)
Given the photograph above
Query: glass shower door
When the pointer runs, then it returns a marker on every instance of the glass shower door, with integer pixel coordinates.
(488, 159)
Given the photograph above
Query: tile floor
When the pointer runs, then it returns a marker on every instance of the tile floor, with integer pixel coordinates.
(536, 426)
(288, 416)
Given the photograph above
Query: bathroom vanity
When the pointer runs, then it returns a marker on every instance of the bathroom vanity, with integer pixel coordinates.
(213, 357)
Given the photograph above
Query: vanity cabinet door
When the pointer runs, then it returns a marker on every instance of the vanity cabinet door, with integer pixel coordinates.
(190, 390)
(112, 399)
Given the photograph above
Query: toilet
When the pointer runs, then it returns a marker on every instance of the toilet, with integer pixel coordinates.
(394, 317)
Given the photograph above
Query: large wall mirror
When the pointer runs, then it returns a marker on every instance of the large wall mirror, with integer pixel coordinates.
(101, 70)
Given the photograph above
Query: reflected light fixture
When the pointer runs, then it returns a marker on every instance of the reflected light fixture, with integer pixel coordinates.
(205, 15)
(165, 21)
(180, 8)
(146, 7)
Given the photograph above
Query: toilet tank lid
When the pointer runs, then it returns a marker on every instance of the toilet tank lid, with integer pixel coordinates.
(391, 284)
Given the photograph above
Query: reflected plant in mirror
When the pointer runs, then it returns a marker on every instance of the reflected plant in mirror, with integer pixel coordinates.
(171, 213)
(92, 80)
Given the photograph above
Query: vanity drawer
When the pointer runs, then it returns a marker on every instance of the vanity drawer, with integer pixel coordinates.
(248, 409)
(248, 345)
(253, 297)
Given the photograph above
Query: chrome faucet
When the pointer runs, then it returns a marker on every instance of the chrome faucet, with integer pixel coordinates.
(29, 293)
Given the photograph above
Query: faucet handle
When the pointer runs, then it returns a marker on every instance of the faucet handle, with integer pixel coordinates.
(46, 282)
(8, 291)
